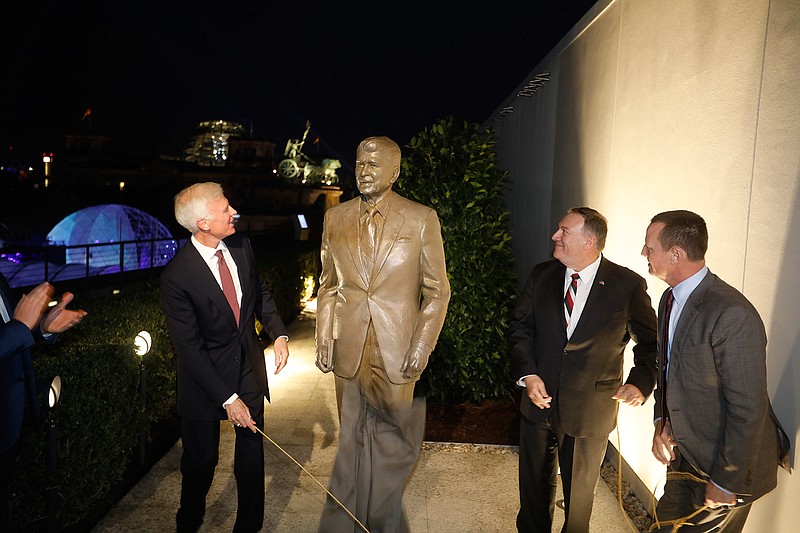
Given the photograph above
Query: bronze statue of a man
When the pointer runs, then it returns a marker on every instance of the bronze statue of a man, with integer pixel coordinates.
(381, 305)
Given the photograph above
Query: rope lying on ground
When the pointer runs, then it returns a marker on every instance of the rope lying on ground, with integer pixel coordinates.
(287, 454)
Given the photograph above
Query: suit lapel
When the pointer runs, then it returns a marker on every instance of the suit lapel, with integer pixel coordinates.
(690, 312)
(688, 315)
(597, 295)
(242, 268)
(5, 294)
(351, 225)
(395, 218)
(557, 298)
(393, 222)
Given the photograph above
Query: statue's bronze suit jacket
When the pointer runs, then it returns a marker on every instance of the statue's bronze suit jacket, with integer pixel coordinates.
(406, 294)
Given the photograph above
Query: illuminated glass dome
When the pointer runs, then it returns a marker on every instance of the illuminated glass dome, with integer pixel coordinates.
(100, 229)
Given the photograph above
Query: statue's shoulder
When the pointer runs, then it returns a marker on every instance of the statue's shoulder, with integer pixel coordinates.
(342, 208)
(410, 206)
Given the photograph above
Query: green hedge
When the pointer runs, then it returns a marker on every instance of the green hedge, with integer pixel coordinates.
(101, 415)
(451, 167)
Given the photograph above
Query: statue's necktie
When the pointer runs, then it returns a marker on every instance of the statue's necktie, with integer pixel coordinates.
(369, 228)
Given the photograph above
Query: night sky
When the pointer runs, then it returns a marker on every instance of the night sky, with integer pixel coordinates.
(150, 71)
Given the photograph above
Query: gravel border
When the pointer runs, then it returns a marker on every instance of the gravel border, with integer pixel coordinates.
(633, 507)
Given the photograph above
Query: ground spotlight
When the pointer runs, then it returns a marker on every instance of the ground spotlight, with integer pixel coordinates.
(51, 458)
(142, 344)
(55, 392)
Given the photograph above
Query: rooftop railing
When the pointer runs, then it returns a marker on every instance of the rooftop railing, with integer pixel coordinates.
(29, 266)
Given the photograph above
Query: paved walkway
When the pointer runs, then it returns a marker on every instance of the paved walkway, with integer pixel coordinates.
(455, 488)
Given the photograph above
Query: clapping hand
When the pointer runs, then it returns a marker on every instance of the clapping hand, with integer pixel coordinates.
(59, 318)
(32, 305)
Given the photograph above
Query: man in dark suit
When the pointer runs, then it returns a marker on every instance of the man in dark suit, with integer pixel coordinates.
(714, 421)
(381, 305)
(212, 295)
(567, 342)
(21, 324)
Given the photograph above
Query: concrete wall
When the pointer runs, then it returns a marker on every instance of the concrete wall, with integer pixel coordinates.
(686, 104)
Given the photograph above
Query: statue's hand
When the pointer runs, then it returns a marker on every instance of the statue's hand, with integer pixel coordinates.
(415, 362)
(325, 355)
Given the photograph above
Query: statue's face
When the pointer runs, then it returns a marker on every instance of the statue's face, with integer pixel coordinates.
(376, 172)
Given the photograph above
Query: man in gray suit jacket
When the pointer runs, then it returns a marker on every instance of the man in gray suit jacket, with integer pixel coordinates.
(569, 359)
(715, 428)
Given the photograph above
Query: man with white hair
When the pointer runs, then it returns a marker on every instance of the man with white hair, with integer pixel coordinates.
(212, 294)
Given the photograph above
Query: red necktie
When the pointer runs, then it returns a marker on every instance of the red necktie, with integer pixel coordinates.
(227, 285)
(569, 297)
(662, 359)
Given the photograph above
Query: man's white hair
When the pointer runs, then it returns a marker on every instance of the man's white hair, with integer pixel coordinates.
(191, 204)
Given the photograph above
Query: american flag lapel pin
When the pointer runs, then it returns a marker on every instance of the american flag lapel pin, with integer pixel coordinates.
(601, 282)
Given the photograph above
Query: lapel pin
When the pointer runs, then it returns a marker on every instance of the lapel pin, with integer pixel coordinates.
(601, 282)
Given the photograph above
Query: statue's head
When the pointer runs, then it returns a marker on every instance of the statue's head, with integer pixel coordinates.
(377, 166)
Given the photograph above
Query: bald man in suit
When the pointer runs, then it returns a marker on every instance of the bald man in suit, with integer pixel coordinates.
(714, 419)
(381, 305)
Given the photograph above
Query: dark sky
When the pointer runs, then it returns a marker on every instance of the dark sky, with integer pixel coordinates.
(150, 71)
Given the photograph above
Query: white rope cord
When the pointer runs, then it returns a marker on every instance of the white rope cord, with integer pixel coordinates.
(287, 454)
(676, 523)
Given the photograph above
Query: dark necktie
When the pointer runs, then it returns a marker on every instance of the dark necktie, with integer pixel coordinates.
(368, 231)
(569, 297)
(662, 359)
(227, 285)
